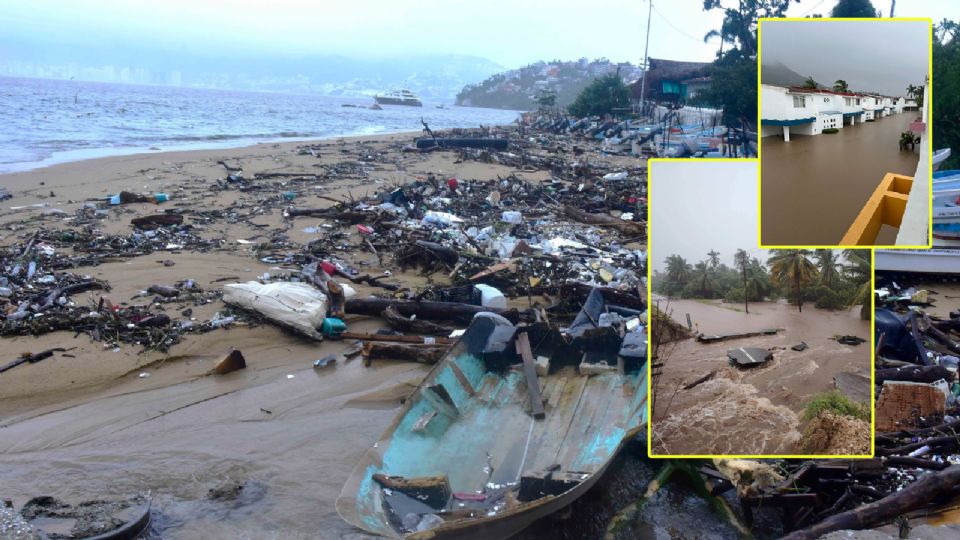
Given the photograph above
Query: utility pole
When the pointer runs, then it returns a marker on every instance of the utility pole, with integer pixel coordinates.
(646, 58)
(893, 4)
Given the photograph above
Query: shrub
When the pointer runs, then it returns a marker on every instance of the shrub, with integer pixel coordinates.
(837, 403)
(829, 300)
(831, 130)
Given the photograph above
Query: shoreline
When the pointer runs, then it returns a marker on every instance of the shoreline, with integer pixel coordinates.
(186, 150)
(121, 151)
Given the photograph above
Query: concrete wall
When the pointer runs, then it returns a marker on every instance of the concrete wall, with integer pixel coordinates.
(914, 227)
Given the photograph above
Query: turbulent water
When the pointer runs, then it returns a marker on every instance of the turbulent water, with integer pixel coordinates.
(814, 186)
(46, 121)
(755, 411)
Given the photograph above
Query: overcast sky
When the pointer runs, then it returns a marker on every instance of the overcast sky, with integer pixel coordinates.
(696, 207)
(511, 33)
(878, 56)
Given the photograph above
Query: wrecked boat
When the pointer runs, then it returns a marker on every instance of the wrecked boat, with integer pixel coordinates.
(513, 424)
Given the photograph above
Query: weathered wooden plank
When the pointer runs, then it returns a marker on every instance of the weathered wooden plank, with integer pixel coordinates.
(530, 373)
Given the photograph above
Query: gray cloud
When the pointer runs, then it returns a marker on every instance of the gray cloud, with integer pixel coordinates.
(879, 56)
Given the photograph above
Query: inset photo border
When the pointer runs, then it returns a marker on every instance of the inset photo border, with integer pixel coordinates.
(844, 138)
(751, 354)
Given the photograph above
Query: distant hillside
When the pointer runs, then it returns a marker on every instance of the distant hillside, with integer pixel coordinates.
(516, 89)
(778, 74)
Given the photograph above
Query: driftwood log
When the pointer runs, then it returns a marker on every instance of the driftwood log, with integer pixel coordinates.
(68, 290)
(331, 213)
(156, 220)
(425, 309)
(618, 297)
(419, 340)
(604, 220)
(424, 354)
(30, 359)
(911, 497)
(403, 324)
(924, 374)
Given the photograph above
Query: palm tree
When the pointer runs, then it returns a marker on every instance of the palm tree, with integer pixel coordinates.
(810, 83)
(829, 266)
(741, 260)
(916, 92)
(678, 269)
(714, 258)
(792, 267)
(859, 271)
(840, 85)
(703, 276)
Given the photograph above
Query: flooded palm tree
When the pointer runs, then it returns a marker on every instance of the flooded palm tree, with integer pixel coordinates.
(793, 267)
(742, 261)
(714, 257)
(828, 262)
(859, 270)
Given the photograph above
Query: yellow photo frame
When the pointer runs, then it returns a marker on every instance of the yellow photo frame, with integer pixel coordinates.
(871, 216)
(652, 198)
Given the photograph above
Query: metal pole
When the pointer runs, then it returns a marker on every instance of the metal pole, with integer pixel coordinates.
(646, 58)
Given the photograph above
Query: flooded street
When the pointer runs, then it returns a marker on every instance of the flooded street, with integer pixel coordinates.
(814, 186)
(755, 411)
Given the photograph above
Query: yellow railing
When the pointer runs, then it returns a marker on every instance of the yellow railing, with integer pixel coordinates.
(884, 207)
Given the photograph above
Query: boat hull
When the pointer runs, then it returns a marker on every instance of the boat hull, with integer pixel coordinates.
(489, 442)
(398, 101)
(923, 261)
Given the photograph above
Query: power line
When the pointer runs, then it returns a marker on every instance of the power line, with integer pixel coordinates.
(670, 24)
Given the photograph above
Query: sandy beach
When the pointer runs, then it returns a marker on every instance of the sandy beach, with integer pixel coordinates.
(101, 420)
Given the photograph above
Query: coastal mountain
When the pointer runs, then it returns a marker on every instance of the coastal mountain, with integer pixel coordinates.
(518, 89)
(434, 77)
(778, 74)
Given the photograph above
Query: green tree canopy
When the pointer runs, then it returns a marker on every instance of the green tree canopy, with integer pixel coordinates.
(792, 267)
(854, 9)
(601, 96)
(946, 88)
(810, 83)
(840, 85)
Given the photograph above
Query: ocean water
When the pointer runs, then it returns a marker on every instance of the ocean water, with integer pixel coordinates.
(44, 121)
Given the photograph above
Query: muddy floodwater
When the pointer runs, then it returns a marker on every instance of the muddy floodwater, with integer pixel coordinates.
(750, 411)
(813, 187)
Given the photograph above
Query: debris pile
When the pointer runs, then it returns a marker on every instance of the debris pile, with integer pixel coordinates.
(916, 468)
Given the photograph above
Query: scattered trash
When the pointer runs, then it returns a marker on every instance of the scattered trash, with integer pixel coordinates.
(232, 362)
(298, 306)
(327, 360)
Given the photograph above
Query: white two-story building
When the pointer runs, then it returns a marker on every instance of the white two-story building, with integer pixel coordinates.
(805, 111)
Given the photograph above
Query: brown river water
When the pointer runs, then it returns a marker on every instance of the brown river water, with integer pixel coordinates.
(756, 411)
(813, 187)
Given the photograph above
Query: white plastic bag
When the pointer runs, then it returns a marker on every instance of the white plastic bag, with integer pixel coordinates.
(298, 306)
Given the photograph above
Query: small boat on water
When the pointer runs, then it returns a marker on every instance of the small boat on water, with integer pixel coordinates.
(946, 205)
(922, 261)
(399, 97)
(939, 156)
(513, 424)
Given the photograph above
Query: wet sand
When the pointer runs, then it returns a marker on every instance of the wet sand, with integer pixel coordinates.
(88, 427)
(813, 187)
(756, 411)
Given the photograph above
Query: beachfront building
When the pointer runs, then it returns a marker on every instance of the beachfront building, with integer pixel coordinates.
(804, 111)
(793, 110)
